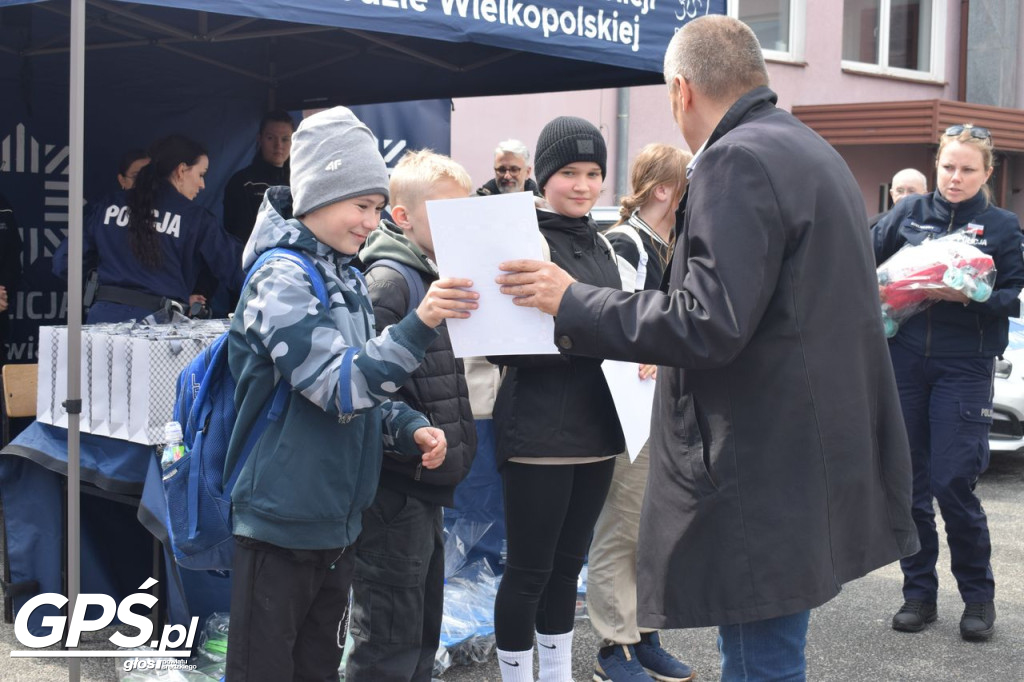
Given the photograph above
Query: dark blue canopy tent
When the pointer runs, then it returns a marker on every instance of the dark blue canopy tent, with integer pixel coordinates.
(135, 70)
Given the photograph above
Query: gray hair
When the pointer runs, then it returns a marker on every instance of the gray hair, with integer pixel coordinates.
(912, 173)
(718, 55)
(513, 147)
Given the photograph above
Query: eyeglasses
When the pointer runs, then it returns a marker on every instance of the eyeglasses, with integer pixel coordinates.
(976, 132)
(511, 170)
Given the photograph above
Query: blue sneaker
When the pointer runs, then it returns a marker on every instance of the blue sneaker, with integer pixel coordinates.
(658, 663)
(619, 664)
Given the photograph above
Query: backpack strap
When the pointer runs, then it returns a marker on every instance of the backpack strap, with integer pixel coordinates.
(632, 279)
(412, 280)
(300, 259)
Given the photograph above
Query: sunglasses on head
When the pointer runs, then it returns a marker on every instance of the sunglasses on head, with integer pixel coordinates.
(977, 132)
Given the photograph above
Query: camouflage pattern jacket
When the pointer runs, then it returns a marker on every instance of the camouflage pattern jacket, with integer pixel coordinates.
(315, 470)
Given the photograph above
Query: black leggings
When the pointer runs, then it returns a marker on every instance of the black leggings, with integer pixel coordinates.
(550, 512)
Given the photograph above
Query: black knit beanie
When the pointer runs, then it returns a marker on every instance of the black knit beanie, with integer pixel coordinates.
(565, 140)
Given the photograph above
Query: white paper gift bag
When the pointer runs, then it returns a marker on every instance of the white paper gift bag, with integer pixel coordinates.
(48, 359)
(120, 388)
(60, 377)
(99, 381)
(155, 366)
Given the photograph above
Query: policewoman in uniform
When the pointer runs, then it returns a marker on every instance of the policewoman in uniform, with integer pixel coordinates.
(150, 241)
(943, 358)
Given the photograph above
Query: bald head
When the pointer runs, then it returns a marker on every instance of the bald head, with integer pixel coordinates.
(719, 56)
(908, 181)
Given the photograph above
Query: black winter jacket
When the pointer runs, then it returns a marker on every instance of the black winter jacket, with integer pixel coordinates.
(437, 388)
(244, 194)
(491, 187)
(560, 405)
(949, 329)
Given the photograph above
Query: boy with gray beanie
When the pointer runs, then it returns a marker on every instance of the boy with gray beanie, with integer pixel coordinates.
(298, 501)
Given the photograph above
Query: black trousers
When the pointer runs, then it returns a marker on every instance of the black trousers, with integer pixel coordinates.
(550, 512)
(288, 612)
(398, 591)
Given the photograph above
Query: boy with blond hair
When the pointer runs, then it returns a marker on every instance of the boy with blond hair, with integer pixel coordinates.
(298, 502)
(398, 589)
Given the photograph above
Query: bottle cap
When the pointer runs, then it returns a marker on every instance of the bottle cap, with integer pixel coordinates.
(172, 432)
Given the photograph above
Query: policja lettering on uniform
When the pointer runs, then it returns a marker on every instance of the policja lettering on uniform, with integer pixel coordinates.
(169, 224)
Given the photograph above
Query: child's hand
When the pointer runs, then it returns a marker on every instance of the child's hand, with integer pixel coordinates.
(449, 297)
(433, 444)
(648, 371)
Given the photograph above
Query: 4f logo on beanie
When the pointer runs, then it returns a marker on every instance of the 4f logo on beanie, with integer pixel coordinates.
(333, 165)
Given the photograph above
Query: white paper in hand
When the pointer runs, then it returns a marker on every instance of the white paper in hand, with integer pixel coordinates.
(471, 238)
(634, 401)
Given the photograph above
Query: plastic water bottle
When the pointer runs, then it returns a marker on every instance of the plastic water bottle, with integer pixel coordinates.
(174, 445)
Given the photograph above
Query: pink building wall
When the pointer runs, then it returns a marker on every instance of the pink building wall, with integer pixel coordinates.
(479, 123)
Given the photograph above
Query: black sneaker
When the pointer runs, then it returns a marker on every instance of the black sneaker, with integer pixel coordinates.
(978, 621)
(914, 615)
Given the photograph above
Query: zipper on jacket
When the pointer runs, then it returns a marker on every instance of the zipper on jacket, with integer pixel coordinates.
(981, 333)
(419, 472)
(952, 215)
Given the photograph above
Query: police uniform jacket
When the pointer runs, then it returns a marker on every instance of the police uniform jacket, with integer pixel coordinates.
(947, 328)
(189, 236)
(779, 461)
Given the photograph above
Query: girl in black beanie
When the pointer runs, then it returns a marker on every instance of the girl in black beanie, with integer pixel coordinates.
(556, 427)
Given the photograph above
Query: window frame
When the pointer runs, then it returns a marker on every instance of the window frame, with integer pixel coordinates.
(937, 53)
(797, 32)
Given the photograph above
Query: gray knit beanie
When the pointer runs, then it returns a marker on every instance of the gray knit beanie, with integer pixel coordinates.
(565, 140)
(334, 157)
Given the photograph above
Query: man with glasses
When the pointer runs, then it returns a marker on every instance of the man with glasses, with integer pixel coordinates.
(905, 183)
(511, 170)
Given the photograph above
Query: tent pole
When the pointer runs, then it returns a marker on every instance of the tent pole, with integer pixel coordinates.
(621, 144)
(75, 170)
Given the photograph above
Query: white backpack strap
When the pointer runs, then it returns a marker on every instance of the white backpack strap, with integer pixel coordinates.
(632, 278)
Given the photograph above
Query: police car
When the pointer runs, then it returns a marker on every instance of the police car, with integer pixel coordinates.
(1007, 434)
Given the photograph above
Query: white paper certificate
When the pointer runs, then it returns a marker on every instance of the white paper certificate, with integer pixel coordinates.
(634, 401)
(471, 238)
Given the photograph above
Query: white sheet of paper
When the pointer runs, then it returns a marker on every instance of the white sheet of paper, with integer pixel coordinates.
(634, 401)
(471, 238)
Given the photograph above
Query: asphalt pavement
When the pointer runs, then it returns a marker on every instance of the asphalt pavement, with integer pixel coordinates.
(850, 637)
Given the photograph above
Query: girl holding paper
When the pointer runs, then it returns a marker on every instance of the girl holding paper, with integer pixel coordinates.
(557, 431)
(643, 243)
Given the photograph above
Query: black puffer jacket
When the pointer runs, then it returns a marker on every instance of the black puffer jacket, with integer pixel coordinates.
(560, 405)
(437, 388)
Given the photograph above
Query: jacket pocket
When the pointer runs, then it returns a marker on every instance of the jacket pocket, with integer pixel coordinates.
(695, 440)
(971, 439)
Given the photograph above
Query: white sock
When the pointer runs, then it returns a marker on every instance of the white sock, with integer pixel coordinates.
(555, 653)
(516, 666)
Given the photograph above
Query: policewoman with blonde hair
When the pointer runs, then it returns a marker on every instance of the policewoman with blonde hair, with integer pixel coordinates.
(944, 364)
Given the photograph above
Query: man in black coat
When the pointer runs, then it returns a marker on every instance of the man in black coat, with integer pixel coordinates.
(779, 460)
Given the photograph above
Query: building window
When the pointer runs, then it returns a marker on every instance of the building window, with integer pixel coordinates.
(778, 25)
(894, 37)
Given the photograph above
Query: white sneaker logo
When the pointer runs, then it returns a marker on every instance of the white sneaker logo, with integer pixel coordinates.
(333, 165)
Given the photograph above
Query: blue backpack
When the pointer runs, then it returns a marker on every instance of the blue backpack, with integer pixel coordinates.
(412, 279)
(198, 495)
